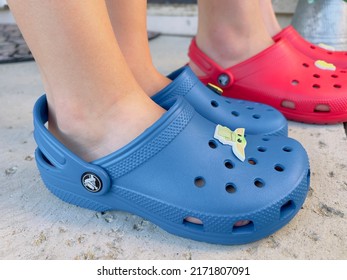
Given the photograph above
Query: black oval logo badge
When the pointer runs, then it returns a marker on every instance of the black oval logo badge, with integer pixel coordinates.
(91, 182)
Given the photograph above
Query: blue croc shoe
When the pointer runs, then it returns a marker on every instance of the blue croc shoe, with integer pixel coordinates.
(187, 175)
(256, 118)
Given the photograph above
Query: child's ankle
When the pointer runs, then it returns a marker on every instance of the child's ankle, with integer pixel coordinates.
(227, 51)
(94, 138)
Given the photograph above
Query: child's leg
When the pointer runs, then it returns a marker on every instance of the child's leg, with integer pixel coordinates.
(269, 16)
(128, 19)
(231, 31)
(95, 104)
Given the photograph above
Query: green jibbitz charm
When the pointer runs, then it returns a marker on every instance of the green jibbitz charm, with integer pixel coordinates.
(321, 64)
(236, 139)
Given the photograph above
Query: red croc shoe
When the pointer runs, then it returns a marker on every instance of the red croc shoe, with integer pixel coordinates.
(303, 89)
(321, 51)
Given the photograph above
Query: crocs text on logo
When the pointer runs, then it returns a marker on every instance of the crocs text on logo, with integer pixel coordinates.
(91, 182)
(223, 80)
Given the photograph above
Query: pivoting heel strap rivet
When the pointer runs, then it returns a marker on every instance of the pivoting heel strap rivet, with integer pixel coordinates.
(223, 80)
(91, 182)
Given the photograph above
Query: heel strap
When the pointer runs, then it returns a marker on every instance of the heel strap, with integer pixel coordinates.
(220, 76)
(63, 161)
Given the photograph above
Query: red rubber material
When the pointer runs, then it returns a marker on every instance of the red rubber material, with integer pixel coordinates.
(281, 73)
(339, 58)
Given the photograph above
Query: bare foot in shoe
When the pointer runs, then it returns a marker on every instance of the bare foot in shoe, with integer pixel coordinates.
(96, 132)
(230, 32)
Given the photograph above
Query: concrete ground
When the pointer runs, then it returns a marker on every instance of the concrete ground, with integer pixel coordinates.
(34, 224)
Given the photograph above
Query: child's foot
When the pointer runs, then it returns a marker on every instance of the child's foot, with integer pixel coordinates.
(93, 132)
(227, 52)
(302, 88)
(256, 118)
(187, 175)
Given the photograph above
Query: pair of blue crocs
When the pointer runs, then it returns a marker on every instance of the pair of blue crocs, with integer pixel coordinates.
(209, 169)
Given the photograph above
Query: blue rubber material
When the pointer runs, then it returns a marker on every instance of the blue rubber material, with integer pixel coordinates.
(176, 169)
(256, 118)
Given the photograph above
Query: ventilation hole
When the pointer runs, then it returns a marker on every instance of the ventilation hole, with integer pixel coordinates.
(266, 139)
(337, 86)
(250, 108)
(259, 183)
(228, 164)
(316, 76)
(262, 149)
(212, 144)
(329, 52)
(343, 71)
(257, 117)
(243, 227)
(279, 167)
(287, 149)
(199, 182)
(295, 82)
(241, 223)
(252, 161)
(214, 104)
(305, 65)
(287, 209)
(316, 86)
(235, 114)
(46, 159)
(288, 104)
(193, 223)
(227, 101)
(230, 188)
(193, 220)
(313, 47)
(334, 76)
(308, 177)
(322, 108)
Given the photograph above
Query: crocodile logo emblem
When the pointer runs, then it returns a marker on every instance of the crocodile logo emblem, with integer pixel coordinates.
(91, 182)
